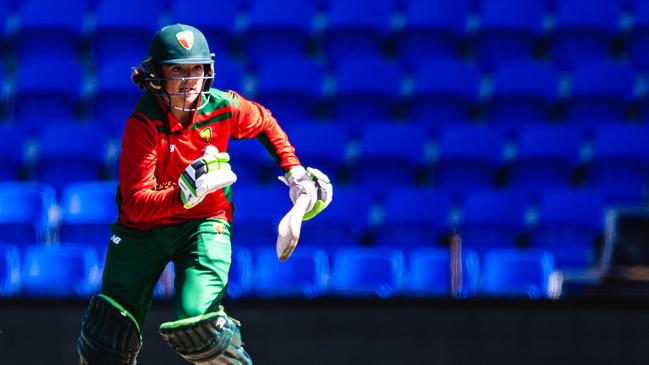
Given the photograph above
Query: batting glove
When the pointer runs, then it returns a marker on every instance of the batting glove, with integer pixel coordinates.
(205, 175)
(311, 182)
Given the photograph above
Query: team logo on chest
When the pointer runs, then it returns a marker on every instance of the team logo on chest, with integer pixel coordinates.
(206, 135)
(186, 39)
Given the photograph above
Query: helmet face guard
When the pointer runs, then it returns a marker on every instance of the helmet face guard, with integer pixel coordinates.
(157, 85)
(183, 45)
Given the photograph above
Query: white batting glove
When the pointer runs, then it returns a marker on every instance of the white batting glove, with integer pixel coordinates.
(205, 175)
(311, 182)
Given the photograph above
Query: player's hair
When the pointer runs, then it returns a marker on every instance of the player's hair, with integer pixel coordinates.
(137, 77)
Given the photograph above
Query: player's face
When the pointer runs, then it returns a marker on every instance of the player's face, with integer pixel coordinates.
(183, 92)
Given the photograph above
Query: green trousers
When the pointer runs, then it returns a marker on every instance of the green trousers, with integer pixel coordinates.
(200, 250)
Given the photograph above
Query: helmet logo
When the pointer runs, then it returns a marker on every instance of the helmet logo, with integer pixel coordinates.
(206, 135)
(186, 39)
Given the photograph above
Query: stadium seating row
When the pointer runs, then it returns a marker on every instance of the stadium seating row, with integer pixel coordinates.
(501, 30)
(567, 223)
(363, 88)
(72, 270)
(613, 159)
(385, 272)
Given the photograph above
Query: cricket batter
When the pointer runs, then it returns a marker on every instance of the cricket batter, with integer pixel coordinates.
(175, 204)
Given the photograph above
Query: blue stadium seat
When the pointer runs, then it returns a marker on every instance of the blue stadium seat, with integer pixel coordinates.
(638, 39)
(290, 86)
(433, 128)
(546, 158)
(4, 12)
(553, 5)
(349, 34)
(2, 83)
(431, 29)
(444, 89)
(321, 145)
(55, 96)
(228, 74)
(115, 96)
(367, 272)
(241, 272)
(429, 272)
(164, 288)
(251, 162)
(620, 161)
(217, 20)
(87, 210)
(124, 34)
(24, 212)
(568, 225)
(304, 274)
(508, 31)
(47, 28)
(257, 212)
(468, 157)
(9, 270)
(492, 219)
(390, 154)
(584, 31)
(344, 223)
(59, 270)
(414, 217)
(517, 273)
(368, 88)
(601, 92)
(644, 110)
(278, 28)
(320, 5)
(523, 92)
(69, 153)
(12, 151)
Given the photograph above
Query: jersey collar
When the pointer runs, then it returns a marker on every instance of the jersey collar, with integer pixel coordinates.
(174, 124)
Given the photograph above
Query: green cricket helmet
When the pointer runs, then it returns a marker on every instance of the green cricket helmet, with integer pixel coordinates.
(178, 44)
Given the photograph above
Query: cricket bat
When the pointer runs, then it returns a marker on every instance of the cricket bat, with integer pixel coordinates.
(288, 231)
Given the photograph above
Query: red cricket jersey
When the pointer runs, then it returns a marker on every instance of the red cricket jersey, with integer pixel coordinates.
(156, 148)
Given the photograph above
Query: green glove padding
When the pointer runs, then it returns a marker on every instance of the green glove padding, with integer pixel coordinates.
(205, 175)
